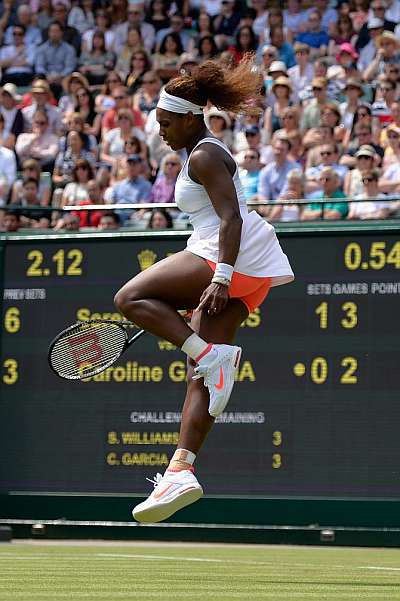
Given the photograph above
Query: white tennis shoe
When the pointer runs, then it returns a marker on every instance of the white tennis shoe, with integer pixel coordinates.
(218, 368)
(172, 492)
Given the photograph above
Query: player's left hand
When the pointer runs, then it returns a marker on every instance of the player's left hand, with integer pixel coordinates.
(214, 299)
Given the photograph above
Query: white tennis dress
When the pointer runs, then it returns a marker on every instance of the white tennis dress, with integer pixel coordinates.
(260, 254)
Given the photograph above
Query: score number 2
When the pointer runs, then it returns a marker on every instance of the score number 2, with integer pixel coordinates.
(74, 255)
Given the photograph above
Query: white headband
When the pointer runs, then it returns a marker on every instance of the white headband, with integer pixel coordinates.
(174, 104)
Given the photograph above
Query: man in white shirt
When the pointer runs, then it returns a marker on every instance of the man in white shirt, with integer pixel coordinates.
(302, 73)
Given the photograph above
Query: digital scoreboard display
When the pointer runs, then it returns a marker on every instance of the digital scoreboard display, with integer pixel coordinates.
(315, 411)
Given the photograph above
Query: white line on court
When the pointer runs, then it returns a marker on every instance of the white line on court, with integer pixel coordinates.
(158, 557)
(378, 568)
(105, 556)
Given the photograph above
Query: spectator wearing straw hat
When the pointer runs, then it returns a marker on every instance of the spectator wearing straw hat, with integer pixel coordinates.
(282, 90)
(312, 113)
(388, 52)
(41, 95)
(353, 91)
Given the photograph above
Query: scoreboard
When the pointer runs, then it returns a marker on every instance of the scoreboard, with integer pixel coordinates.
(315, 411)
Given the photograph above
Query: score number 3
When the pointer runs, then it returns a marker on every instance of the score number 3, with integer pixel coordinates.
(74, 268)
(349, 320)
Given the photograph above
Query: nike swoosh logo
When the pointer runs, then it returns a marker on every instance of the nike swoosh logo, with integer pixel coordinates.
(220, 384)
(157, 495)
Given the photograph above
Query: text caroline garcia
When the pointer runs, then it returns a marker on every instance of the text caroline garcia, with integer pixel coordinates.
(132, 371)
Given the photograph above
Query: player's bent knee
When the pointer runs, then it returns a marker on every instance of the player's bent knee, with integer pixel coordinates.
(125, 300)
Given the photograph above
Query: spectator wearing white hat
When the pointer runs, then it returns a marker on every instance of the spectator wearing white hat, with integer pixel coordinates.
(219, 123)
(377, 8)
(370, 209)
(365, 158)
(13, 118)
(367, 54)
(276, 69)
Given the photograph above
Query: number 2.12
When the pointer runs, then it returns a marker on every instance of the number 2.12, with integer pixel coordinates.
(65, 263)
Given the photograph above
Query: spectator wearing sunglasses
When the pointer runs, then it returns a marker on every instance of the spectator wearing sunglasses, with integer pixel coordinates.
(392, 150)
(329, 189)
(249, 173)
(32, 35)
(370, 209)
(41, 144)
(121, 101)
(163, 189)
(17, 59)
(329, 155)
(365, 159)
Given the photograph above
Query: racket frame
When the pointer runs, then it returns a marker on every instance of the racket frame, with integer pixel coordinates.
(122, 324)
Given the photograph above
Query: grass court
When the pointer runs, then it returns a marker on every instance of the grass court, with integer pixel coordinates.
(101, 571)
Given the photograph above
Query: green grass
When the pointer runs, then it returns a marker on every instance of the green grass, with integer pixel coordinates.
(105, 572)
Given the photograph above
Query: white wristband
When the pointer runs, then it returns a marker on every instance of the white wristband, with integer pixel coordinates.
(224, 271)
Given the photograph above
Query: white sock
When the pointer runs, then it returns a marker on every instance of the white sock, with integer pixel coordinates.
(195, 347)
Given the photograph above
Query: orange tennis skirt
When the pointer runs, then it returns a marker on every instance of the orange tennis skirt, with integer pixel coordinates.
(250, 290)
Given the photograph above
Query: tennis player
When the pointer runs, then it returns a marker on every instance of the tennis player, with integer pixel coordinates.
(231, 260)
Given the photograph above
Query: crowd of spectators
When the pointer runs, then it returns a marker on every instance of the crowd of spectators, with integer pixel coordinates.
(80, 82)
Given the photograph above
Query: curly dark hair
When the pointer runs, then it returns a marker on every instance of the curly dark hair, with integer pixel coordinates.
(236, 89)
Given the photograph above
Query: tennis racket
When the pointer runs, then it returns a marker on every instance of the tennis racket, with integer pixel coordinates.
(89, 347)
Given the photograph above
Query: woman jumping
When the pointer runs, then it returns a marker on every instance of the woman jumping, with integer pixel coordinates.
(231, 260)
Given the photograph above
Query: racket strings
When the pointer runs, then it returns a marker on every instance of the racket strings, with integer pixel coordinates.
(87, 349)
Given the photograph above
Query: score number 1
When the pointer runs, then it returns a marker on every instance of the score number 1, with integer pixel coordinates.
(348, 321)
